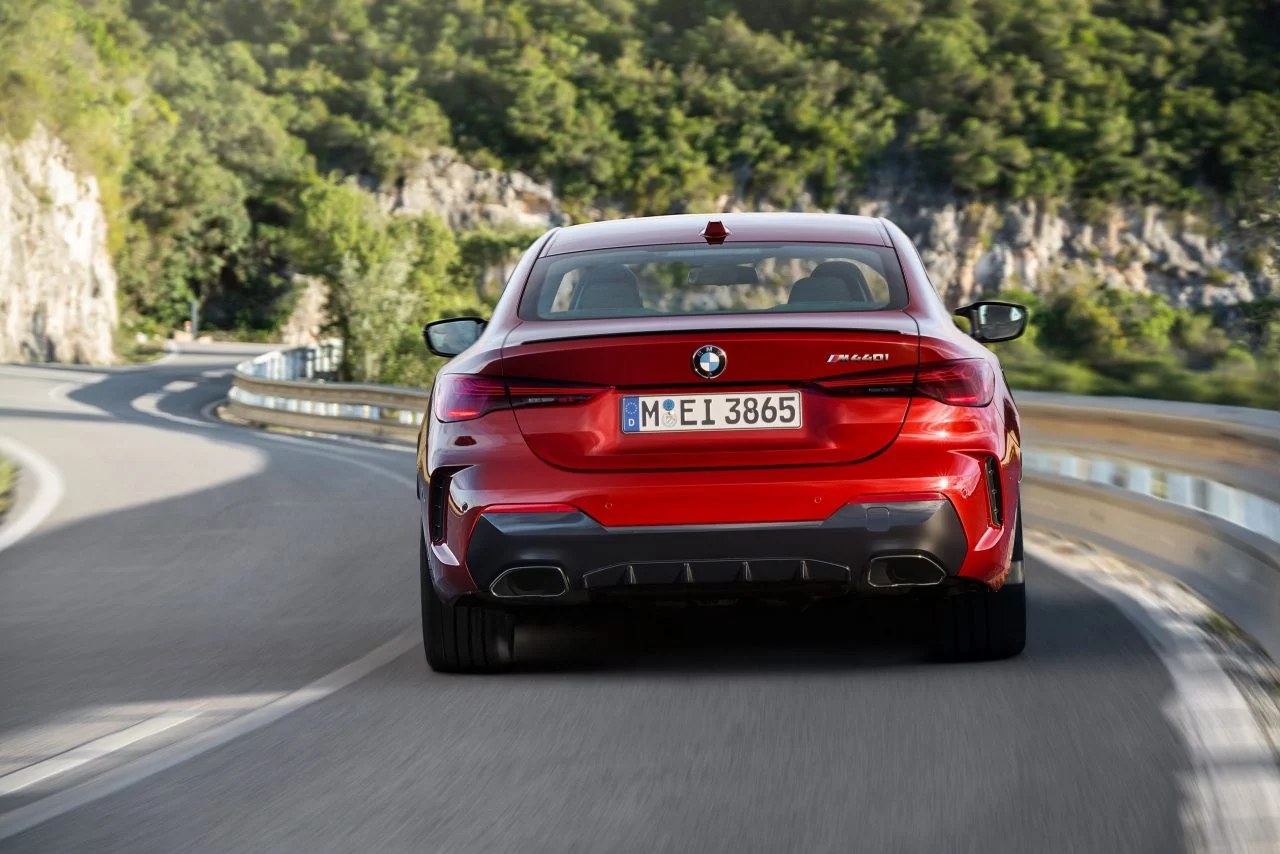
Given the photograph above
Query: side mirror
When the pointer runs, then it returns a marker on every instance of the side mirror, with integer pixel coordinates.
(991, 321)
(450, 337)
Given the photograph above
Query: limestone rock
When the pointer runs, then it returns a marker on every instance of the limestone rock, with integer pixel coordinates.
(57, 283)
(466, 197)
(970, 248)
(309, 317)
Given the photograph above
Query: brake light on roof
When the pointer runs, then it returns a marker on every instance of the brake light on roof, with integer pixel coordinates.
(714, 232)
(958, 382)
(462, 397)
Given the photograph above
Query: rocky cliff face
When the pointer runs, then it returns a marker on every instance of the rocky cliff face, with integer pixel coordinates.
(970, 248)
(466, 197)
(57, 284)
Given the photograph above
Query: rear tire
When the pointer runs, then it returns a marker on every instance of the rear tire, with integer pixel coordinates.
(983, 626)
(463, 637)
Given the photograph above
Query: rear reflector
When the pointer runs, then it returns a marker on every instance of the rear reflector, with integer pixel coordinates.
(995, 491)
(529, 508)
(437, 501)
(960, 382)
(461, 397)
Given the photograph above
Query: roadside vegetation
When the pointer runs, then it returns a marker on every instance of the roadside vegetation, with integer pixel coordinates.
(131, 350)
(1087, 339)
(227, 136)
(8, 483)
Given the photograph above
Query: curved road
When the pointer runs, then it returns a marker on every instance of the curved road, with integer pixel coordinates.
(194, 573)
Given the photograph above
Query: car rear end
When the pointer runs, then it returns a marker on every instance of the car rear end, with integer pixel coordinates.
(767, 415)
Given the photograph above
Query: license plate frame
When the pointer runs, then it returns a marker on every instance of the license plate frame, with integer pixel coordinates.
(647, 414)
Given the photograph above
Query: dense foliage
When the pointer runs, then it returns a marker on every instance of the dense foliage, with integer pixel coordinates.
(657, 103)
(222, 129)
(1088, 339)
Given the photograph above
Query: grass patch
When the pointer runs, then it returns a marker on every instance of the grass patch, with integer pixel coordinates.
(8, 484)
(134, 352)
(241, 335)
(1216, 624)
(139, 354)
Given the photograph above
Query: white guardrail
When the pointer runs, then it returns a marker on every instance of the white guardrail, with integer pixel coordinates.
(1193, 489)
(296, 389)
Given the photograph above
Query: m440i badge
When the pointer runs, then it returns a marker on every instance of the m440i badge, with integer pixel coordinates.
(857, 357)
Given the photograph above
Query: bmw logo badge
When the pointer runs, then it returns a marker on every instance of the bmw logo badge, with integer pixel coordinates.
(709, 361)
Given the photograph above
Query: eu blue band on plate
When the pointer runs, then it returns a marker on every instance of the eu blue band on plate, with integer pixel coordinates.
(630, 415)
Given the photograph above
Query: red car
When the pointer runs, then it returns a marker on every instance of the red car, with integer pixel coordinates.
(724, 407)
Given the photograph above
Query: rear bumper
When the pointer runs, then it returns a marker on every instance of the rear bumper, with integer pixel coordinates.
(828, 557)
(724, 515)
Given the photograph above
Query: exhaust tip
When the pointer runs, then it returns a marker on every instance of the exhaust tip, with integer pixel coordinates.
(530, 582)
(905, 571)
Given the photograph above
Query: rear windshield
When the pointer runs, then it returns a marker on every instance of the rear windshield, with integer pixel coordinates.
(666, 281)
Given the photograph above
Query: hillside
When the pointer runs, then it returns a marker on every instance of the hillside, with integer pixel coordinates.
(221, 133)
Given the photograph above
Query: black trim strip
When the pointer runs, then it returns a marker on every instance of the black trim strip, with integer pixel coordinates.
(704, 331)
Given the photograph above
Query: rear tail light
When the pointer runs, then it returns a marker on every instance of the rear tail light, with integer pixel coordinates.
(542, 393)
(894, 382)
(461, 397)
(963, 382)
(960, 382)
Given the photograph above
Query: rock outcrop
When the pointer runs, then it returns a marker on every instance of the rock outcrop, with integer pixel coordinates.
(309, 316)
(972, 248)
(466, 197)
(57, 284)
(969, 247)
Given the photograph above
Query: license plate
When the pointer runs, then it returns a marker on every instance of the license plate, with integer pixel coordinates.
(756, 410)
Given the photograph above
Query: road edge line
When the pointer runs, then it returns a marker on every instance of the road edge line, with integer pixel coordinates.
(1225, 806)
(31, 815)
(28, 514)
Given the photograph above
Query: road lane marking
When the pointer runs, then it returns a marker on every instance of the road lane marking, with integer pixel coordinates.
(148, 405)
(1232, 793)
(38, 812)
(58, 394)
(168, 756)
(26, 746)
(23, 778)
(27, 515)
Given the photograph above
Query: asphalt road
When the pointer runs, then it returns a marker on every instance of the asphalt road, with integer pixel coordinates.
(193, 572)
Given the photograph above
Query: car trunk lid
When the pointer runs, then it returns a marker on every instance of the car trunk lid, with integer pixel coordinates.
(813, 360)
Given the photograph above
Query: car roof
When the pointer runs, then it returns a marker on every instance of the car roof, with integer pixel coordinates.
(743, 228)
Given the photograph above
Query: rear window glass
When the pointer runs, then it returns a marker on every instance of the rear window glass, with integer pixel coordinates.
(730, 279)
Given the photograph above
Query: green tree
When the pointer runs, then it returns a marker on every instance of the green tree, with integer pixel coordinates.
(384, 272)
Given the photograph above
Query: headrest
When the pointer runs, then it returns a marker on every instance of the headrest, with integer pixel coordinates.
(851, 275)
(611, 287)
(818, 289)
